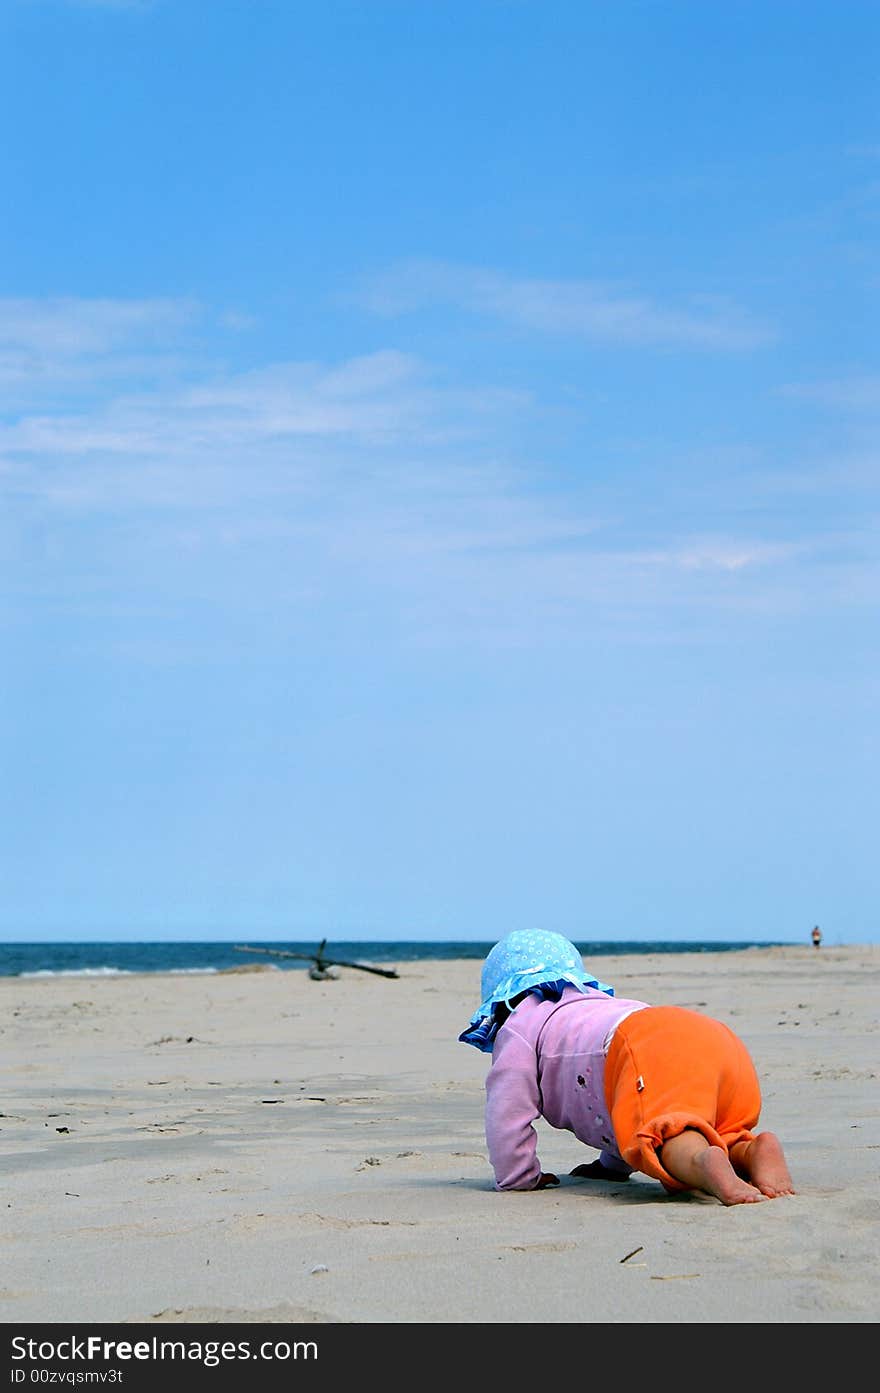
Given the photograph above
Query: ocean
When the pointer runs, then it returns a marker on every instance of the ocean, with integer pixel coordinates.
(114, 959)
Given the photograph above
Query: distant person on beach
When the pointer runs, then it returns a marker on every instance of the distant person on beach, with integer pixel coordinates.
(658, 1089)
(816, 936)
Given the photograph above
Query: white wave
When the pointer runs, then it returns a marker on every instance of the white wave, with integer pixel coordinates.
(114, 971)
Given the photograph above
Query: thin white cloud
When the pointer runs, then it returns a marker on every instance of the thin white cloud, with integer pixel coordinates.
(589, 309)
(70, 325)
(365, 483)
(235, 319)
(55, 340)
(80, 434)
(849, 394)
(109, 4)
(378, 398)
(723, 554)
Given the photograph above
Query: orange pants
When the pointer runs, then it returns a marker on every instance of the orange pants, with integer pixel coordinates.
(670, 1069)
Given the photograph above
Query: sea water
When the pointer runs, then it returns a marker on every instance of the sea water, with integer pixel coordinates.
(102, 959)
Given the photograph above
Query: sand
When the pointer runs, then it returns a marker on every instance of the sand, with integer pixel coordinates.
(256, 1146)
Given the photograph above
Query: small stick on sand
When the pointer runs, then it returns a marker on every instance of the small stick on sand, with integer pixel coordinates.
(632, 1254)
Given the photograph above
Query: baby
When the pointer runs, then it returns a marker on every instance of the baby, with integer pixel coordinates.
(657, 1089)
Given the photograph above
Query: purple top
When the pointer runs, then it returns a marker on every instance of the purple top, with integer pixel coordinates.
(549, 1061)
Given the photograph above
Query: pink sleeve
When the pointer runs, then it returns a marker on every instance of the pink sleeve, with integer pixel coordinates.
(512, 1106)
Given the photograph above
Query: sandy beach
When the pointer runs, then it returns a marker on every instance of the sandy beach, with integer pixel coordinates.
(257, 1146)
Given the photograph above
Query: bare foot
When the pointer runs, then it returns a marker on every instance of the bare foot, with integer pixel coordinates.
(763, 1162)
(717, 1177)
(691, 1160)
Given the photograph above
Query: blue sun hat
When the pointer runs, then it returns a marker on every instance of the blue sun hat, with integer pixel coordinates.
(527, 960)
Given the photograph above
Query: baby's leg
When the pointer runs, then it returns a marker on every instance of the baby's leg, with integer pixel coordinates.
(762, 1161)
(691, 1159)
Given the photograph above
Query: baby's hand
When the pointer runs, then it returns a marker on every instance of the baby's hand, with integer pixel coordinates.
(596, 1171)
(545, 1179)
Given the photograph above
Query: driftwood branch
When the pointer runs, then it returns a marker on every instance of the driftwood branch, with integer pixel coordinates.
(320, 959)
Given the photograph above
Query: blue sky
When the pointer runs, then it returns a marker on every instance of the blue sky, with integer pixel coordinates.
(439, 462)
